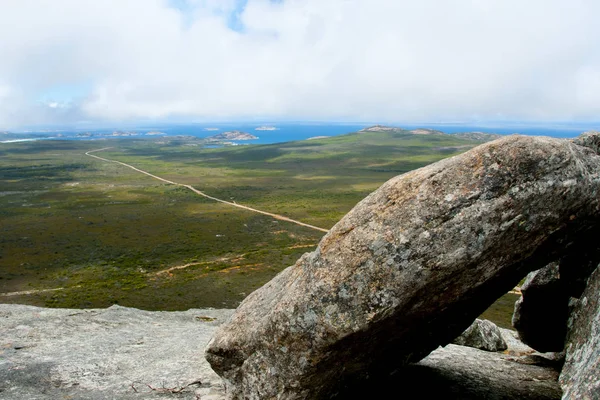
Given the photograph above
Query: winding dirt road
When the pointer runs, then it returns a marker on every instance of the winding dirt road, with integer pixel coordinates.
(198, 192)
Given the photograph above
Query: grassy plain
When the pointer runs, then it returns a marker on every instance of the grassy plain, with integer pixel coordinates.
(104, 232)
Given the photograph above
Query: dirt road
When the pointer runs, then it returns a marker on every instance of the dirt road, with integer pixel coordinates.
(198, 192)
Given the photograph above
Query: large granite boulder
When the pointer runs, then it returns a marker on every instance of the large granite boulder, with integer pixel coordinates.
(580, 376)
(482, 335)
(409, 268)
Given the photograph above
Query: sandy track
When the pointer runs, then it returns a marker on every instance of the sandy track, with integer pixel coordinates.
(198, 192)
(34, 291)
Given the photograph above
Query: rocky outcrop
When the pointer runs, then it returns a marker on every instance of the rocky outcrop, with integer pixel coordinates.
(589, 139)
(101, 354)
(409, 268)
(483, 335)
(541, 313)
(124, 353)
(580, 376)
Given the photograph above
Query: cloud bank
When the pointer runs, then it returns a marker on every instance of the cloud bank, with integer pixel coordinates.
(63, 61)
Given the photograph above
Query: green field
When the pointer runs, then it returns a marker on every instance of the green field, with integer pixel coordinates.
(103, 232)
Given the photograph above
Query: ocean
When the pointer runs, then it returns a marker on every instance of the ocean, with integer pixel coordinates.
(284, 132)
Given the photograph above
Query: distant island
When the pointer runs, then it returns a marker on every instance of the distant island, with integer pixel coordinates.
(233, 135)
(155, 133)
(266, 128)
(211, 129)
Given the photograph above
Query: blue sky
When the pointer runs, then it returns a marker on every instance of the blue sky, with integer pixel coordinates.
(92, 61)
(231, 15)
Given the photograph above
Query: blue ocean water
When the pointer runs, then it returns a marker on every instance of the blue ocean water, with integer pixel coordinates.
(283, 132)
(288, 131)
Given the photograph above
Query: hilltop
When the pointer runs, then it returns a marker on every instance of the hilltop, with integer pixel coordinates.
(478, 136)
(418, 131)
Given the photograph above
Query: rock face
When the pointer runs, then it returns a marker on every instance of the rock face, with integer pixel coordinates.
(115, 353)
(589, 139)
(483, 335)
(541, 313)
(580, 376)
(409, 268)
(101, 354)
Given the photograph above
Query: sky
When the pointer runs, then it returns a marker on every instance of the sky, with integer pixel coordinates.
(96, 61)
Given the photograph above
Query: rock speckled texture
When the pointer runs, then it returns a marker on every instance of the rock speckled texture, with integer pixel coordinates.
(48, 354)
(409, 268)
(105, 353)
(483, 335)
(580, 376)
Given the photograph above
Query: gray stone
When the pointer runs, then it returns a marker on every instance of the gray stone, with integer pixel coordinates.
(541, 313)
(464, 373)
(589, 139)
(114, 353)
(483, 335)
(409, 268)
(48, 354)
(580, 376)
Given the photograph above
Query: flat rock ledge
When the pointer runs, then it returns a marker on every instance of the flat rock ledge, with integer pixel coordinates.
(113, 353)
(125, 353)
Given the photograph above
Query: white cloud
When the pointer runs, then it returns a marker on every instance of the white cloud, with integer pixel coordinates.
(319, 59)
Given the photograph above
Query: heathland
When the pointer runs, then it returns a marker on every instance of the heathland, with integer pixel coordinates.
(81, 232)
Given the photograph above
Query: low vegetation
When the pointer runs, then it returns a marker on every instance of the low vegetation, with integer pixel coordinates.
(107, 234)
